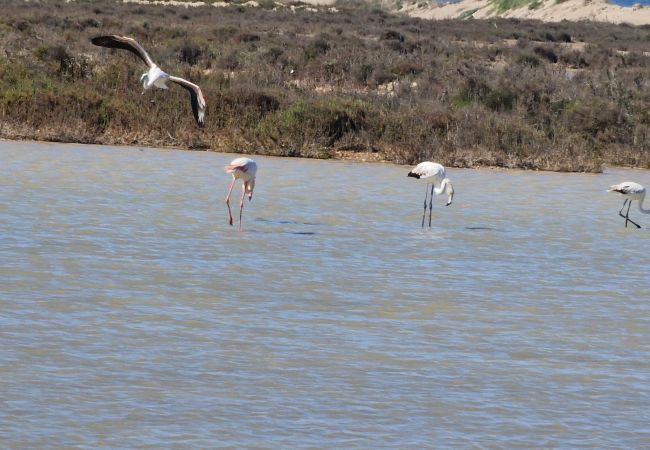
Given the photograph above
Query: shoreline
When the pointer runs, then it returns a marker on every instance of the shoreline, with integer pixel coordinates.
(356, 157)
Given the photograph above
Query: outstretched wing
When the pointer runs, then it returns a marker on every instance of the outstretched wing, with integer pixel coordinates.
(196, 97)
(125, 43)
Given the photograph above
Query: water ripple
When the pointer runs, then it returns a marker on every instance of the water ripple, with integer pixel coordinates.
(132, 315)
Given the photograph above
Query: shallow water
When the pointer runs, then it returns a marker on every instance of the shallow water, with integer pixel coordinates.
(132, 315)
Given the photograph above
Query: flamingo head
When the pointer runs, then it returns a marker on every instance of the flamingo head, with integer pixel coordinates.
(250, 185)
(144, 79)
(450, 193)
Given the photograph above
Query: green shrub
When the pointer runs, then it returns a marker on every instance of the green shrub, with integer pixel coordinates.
(529, 60)
(499, 100)
(467, 14)
(189, 53)
(312, 123)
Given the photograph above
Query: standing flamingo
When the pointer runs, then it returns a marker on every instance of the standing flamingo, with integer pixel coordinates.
(631, 191)
(244, 169)
(434, 175)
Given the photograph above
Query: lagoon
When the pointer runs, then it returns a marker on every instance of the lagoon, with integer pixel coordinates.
(132, 315)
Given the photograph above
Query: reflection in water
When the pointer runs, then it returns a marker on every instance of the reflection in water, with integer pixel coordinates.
(132, 315)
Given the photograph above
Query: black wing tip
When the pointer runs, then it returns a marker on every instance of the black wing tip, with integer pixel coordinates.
(101, 40)
(414, 175)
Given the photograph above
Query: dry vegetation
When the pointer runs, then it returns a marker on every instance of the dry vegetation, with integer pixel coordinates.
(510, 93)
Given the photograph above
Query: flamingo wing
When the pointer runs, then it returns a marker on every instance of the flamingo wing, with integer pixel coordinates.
(241, 164)
(125, 43)
(627, 188)
(196, 98)
(427, 169)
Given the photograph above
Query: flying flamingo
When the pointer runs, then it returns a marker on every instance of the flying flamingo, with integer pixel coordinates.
(244, 169)
(434, 175)
(154, 76)
(631, 191)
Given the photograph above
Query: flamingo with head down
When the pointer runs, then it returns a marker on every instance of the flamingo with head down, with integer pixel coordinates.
(243, 169)
(631, 191)
(434, 174)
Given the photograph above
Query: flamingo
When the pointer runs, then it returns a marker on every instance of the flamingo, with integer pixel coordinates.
(434, 174)
(244, 169)
(631, 191)
(155, 76)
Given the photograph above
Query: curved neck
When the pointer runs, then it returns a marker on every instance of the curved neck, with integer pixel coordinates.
(443, 187)
(641, 208)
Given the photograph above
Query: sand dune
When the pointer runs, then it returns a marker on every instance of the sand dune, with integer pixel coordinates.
(548, 10)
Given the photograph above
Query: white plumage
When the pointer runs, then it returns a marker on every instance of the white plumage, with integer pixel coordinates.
(631, 191)
(435, 175)
(244, 169)
(155, 76)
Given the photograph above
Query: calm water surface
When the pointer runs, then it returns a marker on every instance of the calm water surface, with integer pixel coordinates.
(132, 315)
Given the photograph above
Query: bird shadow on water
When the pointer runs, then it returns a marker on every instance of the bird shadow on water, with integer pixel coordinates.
(480, 228)
(283, 222)
(296, 233)
(472, 228)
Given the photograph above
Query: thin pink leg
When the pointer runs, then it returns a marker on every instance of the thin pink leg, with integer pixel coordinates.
(228, 201)
(241, 205)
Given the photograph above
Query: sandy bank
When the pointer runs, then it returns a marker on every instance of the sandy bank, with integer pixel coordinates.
(547, 10)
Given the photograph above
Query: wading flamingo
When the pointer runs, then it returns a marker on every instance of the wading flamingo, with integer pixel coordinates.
(631, 191)
(244, 169)
(155, 76)
(434, 175)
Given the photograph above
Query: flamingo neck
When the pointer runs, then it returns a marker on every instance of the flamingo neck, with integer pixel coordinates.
(641, 208)
(445, 186)
(442, 188)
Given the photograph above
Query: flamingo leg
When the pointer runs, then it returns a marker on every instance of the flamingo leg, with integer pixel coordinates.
(620, 213)
(241, 205)
(424, 214)
(634, 223)
(430, 205)
(627, 218)
(228, 201)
